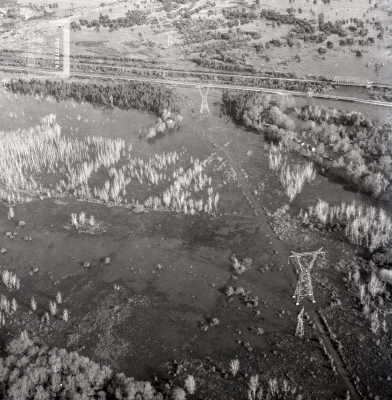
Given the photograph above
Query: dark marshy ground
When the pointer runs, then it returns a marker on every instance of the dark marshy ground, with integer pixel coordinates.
(150, 311)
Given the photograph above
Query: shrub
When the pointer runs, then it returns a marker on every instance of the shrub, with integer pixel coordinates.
(234, 366)
(293, 178)
(59, 299)
(240, 266)
(53, 308)
(65, 315)
(375, 286)
(151, 133)
(190, 384)
(179, 394)
(11, 213)
(253, 385)
(386, 275)
(275, 159)
(229, 291)
(33, 304)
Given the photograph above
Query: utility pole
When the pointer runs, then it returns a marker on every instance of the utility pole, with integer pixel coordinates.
(304, 286)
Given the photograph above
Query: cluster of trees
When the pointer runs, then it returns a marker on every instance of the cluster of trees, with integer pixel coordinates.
(347, 41)
(260, 111)
(380, 94)
(365, 147)
(32, 372)
(134, 17)
(270, 15)
(141, 95)
(13, 13)
(316, 38)
(217, 64)
(195, 29)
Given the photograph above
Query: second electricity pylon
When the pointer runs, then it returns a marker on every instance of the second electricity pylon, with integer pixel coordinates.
(304, 286)
(204, 102)
(300, 325)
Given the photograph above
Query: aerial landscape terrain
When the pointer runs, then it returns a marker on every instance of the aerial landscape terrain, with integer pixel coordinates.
(195, 199)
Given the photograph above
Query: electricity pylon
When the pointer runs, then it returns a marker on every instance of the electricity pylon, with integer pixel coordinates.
(170, 38)
(309, 95)
(304, 286)
(204, 102)
(300, 325)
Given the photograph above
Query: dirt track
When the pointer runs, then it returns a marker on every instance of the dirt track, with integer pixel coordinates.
(283, 253)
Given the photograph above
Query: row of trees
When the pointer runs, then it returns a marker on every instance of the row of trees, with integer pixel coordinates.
(140, 95)
(217, 64)
(270, 15)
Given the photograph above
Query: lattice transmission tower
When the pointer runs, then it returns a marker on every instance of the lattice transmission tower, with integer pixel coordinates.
(305, 262)
(170, 38)
(204, 102)
(300, 325)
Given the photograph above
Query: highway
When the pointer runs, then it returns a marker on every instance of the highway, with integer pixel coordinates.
(202, 84)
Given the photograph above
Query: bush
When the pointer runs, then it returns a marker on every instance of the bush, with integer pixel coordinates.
(190, 384)
(386, 275)
(179, 394)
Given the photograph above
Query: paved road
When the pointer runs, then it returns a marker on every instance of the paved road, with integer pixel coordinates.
(204, 84)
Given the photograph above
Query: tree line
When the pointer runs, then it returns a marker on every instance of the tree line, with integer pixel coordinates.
(138, 95)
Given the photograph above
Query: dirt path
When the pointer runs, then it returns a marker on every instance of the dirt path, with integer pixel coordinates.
(284, 253)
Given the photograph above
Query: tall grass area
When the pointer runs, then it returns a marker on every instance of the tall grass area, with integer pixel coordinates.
(42, 149)
(363, 226)
(292, 177)
(102, 170)
(372, 297)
